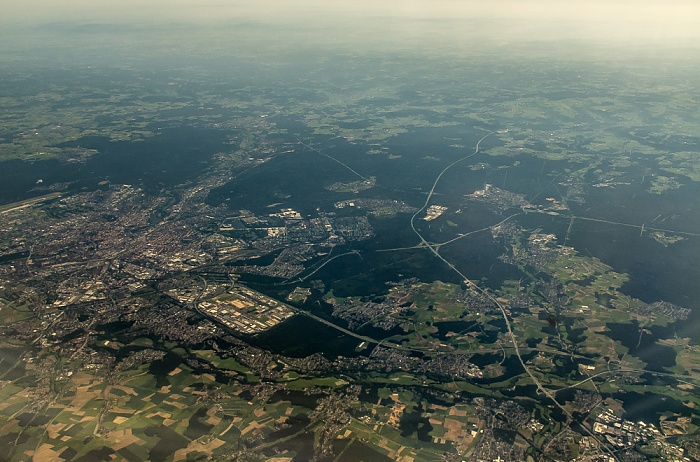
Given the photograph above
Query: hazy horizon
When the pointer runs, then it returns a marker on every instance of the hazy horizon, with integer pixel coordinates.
(676, 22)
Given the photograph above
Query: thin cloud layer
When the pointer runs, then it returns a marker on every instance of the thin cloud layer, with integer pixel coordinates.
(617, 19)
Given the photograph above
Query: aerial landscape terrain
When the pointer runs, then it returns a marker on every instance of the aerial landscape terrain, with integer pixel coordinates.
(413, 239)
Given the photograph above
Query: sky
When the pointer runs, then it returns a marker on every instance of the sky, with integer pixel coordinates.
(663, 12)
(656, 20)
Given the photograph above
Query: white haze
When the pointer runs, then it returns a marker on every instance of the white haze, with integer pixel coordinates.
(675, 21)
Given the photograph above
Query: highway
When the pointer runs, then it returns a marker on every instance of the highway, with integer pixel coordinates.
(434, 249)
